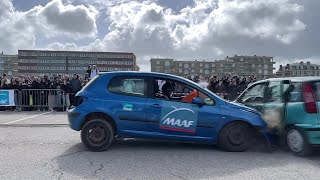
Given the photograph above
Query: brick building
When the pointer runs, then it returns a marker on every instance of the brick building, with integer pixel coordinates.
(8, 64)
(39, 62)
(260, 66)
(298, 69)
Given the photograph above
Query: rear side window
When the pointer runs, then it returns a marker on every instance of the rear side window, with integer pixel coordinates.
(295, 95)
(316, 88)
(130, 86)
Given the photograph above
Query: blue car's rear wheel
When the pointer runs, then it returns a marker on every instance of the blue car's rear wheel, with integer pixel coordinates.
(235, 137)
(97, 135)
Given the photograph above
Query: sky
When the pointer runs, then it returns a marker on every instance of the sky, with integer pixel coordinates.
(288, 30)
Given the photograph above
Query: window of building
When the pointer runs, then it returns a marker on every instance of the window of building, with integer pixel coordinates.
(201, 65)
(206, 66)
(265, 72)
(186, 65)
(180, 70)
(201, 70)
(180, 64)
(167, 63)
(221, 65)
(213, 65)
(260, 71)
(206, 72)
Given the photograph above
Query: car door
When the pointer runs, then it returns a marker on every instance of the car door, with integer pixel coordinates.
(273, 108)
(254, 96)
(128, 96)
(174, 119)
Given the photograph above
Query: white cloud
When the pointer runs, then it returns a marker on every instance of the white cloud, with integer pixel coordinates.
(204, 31)
(19, 30)
(70, 19)
(207, 29)
(62, 47)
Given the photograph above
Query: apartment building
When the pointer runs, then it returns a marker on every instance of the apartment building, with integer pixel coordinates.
(298, 70)
(8, 64)
(39, 62)
(259, 66)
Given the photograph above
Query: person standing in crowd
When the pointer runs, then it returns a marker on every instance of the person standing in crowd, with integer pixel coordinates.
(75, 86)
(233, 88)
(94, 71)
(65, 87)
(88, 71)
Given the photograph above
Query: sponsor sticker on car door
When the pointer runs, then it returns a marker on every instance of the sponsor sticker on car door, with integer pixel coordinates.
(179, 117)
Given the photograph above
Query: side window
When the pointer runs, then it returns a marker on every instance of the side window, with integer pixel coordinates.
(130, 86)
(273, 92)
(175, 91)
(254, 94)
(170, 90)
(207, 100)
(295, 95)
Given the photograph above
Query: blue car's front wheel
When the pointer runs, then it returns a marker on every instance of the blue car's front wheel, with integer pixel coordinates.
(235, 137)
(97, 135)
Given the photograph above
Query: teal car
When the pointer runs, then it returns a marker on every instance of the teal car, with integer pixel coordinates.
(291, 108)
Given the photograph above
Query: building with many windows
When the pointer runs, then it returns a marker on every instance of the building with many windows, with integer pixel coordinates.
(39, 62)
(8, 64)
(260, 66)
(298, 69)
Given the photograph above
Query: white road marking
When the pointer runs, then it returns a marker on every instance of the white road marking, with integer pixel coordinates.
(28, 117)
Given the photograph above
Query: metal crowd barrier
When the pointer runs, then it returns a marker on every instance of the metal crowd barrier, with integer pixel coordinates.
(41, 99)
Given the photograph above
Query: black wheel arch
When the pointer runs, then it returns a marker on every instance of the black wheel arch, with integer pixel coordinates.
(99, 115)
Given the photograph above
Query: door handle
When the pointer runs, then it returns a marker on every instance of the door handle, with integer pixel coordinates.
(156, 106)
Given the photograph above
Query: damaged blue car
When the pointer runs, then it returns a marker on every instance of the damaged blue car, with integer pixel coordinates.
(160, 106)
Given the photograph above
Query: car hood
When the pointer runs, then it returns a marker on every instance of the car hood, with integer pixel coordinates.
(242, 107)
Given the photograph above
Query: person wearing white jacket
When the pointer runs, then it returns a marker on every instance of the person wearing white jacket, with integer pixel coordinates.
(94, 71)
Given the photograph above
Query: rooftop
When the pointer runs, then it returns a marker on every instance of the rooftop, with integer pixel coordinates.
(74, 51)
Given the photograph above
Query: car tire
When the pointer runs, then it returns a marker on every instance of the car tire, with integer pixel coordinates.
(97, 135)
(297, 142)
(235, 137)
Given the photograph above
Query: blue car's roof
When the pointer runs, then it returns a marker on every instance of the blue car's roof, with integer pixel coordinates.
(150, 74)
(139, 73)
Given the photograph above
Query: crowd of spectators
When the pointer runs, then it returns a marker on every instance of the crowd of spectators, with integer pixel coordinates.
(62, 83)
(226, 87)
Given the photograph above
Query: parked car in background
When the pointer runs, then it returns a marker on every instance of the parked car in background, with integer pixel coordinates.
(291, 105)
(160, 106)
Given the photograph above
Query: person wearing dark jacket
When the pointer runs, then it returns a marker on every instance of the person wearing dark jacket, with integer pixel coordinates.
(66, 89)
(75, 86)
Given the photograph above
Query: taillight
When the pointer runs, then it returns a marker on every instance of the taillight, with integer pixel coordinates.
(309, 99)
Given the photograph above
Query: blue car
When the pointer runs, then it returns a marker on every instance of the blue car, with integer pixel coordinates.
(159, 106)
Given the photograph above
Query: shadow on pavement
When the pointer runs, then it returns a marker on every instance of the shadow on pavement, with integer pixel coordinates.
(166, 160)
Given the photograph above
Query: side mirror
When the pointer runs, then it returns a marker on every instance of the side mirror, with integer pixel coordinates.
(198, 101)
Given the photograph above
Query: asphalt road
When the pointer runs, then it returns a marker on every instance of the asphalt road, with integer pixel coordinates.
(41, 146)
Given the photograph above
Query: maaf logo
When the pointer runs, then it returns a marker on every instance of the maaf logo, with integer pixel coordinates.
(180, 119)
